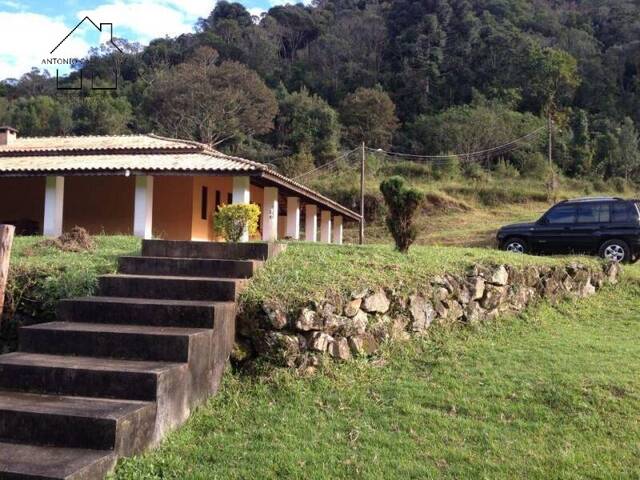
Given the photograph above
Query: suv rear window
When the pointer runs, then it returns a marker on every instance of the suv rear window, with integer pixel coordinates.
(593, 213)
(621, 212)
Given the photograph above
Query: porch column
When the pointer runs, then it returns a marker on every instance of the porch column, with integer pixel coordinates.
(143, 207)
(242, 196)
(325, 226)
(53, 207)
(293, 218)
(270, 215)
(311, 223)
(337, 230)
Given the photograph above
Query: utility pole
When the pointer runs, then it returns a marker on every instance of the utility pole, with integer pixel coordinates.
(362, 195)
(550, 142)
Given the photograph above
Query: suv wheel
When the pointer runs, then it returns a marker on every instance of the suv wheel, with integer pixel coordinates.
(515, 245)
(615, 251)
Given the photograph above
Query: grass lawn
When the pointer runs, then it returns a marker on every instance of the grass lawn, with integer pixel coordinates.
(551, 394)
(41, 275)
(311, 271)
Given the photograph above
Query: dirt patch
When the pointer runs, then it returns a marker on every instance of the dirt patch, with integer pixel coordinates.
(75, 240)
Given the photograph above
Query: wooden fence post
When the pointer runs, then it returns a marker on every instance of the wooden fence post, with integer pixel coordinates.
(6, 239)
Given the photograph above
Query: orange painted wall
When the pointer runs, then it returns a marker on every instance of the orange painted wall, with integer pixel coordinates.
(172, 207)
(99, 204)
(105, 204)
(22, 199)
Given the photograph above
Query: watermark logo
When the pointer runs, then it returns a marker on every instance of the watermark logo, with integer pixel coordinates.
(73, 62)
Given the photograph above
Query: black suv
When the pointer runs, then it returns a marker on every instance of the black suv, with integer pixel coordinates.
(607, 226)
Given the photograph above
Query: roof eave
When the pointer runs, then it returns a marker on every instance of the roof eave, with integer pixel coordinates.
(307, 193)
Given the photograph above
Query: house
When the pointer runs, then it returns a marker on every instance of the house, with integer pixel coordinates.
(147, 186)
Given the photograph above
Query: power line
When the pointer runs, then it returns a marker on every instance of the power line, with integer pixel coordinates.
(345, 155)
(504, 148)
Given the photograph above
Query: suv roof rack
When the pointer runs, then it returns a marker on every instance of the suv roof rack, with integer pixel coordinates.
(591, 199)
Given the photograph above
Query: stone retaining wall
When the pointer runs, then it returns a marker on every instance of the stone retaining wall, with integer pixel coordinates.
(358, 323)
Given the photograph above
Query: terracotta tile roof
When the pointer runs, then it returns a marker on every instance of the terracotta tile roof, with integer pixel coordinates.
(96, 143)
(119, 162)
(136, 153)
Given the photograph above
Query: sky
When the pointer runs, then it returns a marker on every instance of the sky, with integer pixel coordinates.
(30, 29)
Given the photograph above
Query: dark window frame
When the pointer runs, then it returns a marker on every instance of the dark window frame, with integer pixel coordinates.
(204, 203)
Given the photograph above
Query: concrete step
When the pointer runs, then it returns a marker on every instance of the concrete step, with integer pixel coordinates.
(173, 288)
(29, 462)
(145, 311)
(126, 427)
(191, 267)
(88, 377)
(129, 342)
(216, 250)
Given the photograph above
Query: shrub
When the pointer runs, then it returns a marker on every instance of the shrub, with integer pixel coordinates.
(409, 169)
(619, 184)
(297, 164)
(474, 171)
(535, 166)
(447, 168)
(506, 170)
(231, 220)
(599, 185)
(402, 202)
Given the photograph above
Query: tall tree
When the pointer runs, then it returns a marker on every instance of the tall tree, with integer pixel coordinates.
(211, 102)
(306, 123)
(369, 116)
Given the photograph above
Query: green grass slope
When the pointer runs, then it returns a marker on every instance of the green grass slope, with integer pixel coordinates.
(551, 394)
(308, 271)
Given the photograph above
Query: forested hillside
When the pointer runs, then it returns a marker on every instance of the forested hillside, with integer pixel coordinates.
(303, 83)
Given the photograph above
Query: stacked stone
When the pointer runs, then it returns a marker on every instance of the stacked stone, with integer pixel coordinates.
(360, 323)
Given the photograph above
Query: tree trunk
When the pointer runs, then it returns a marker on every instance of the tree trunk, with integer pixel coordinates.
(6, 240)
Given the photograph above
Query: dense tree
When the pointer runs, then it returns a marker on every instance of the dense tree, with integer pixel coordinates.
(581, 147)
(101, 113)
(575, 60)
(211, 102)
(480, 126)
(306, 123)
(369, 116)
(39, 116)
(628, 159)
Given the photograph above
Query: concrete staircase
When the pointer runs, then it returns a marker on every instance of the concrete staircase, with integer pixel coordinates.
(117, 371)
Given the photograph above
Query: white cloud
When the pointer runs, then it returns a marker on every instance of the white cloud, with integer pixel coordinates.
(27, 38)
(256, 11)
(147, 19)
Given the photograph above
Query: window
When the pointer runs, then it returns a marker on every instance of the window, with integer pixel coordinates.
(218, 200)
(229, 198)
(593, 213)
(563, 214)
(204, 203)
(620, 212)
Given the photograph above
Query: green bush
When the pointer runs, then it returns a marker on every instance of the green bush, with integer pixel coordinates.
(474, 171)
(446, 168)
(619, 184)
(408, 169)
(535, 166)
(506, 170)
(231, 220)
(599, 185)
(296, 164)
(402, 202)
